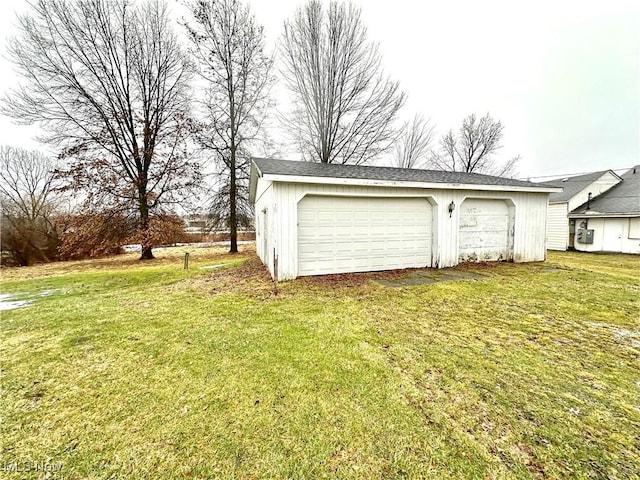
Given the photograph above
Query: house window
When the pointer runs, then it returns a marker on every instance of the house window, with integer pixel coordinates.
(634, 228)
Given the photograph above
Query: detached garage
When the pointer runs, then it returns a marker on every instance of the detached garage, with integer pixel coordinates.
(315, 219)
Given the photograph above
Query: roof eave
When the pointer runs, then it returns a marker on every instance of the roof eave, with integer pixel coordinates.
(253, 181)
(604, 214)
(614, 174)
(406, 184)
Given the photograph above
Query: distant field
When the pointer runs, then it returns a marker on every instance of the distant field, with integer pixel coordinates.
(122, 369)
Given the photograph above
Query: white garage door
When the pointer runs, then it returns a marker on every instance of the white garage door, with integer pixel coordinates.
(484, 231)
(353, 234)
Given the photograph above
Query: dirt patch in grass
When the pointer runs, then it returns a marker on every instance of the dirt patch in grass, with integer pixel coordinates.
(620, 335)
(342, 280)
(428, 276)
(390, 278)
(248, 275)
(252, 276)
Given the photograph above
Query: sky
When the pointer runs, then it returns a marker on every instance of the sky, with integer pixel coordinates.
(562, 76)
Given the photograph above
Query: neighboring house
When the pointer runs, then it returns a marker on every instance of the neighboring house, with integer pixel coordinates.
(314, 218)
(206, 224)
(610, 222)
(576, 191)
(198, 224)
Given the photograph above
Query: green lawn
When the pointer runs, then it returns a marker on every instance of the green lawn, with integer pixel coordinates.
(145, 370)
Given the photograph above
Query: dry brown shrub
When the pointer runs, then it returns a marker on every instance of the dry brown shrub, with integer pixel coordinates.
(98, 235)
(92, 236)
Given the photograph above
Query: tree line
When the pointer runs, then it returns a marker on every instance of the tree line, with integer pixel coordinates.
(144, 124)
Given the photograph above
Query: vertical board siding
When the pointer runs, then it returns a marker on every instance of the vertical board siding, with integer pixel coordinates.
(529, 224)
(557, 226)
(264, 236)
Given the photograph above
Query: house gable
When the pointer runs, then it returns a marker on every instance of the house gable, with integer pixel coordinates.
(621, 200)
(603, 183)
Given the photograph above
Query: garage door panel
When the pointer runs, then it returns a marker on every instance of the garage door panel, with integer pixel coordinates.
(484, 240)
(483, 230)
(487, 223)
(351, 234)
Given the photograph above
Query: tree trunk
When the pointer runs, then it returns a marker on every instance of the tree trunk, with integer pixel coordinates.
(147, 253)
(145, 240)
(233, 217)
(23, 260)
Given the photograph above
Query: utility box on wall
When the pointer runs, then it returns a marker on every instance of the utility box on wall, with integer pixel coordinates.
(584, 236)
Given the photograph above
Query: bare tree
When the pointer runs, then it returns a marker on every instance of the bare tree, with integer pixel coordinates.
(412, 145)
(229, 47)
(345, 104)
(29, 203)
(473, 148)
(221, 208)
(107, 80)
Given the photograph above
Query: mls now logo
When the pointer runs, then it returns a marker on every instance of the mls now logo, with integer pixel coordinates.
(30, 466)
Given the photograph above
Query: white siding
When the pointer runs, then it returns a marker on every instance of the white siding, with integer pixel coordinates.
(604, 183)
(529, 211)
(557, 226)
(264, 225)
(610, 235)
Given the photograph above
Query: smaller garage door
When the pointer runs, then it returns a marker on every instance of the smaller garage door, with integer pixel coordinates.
(356, 234)
(484, 231)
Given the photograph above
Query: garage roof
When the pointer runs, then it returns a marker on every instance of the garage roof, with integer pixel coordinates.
(268, 166)
(621, 199)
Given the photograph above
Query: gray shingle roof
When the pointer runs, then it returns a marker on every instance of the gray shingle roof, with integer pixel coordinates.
(572, 185)
(269, 166)
(622, 199)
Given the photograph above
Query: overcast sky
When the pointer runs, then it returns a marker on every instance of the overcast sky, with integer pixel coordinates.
(563, 76)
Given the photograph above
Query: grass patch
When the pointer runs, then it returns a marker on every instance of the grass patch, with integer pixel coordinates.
(145, 370)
